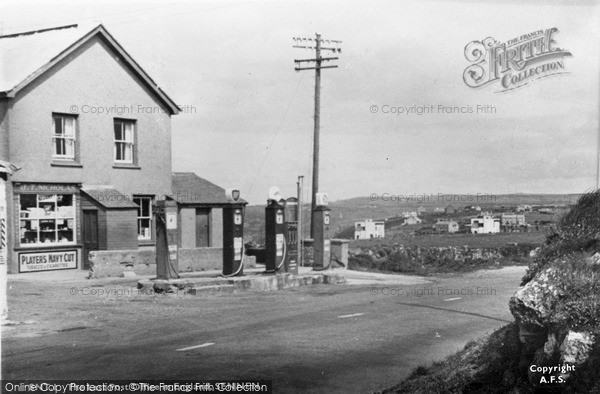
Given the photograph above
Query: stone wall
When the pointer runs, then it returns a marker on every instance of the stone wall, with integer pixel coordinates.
(106, 263)
(200, 259)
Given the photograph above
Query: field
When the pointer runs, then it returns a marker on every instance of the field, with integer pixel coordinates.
(458, 240)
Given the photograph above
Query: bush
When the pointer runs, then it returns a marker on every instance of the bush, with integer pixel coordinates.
(578, 283)
(361, 262)
(517, 252)
(577, 231)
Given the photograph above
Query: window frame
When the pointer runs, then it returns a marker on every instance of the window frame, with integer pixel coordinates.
(37, 220)
(132, 143)
(74, 158)
(140, 217)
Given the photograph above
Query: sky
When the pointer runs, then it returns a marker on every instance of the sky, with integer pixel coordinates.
(248, 116)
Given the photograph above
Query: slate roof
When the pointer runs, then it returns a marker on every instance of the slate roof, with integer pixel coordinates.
(109, 197)
(189, 188)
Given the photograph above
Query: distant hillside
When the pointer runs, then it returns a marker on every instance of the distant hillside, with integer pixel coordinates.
(345, 212)
(458, 200)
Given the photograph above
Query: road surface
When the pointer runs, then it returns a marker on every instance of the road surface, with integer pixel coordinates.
(348, 338)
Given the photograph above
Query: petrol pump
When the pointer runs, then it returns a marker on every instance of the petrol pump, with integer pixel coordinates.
(167, 265)
(321, 242)
(275, 232)
(233, 235)
(291, 219)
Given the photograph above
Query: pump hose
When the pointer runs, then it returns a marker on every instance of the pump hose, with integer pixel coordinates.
(324, 268)
(282, 260)
(239, 268)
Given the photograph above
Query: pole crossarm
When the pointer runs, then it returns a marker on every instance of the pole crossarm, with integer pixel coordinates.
(322, 48)
(314, 60)
(313, 68)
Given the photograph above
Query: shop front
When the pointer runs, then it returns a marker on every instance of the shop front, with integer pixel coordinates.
(47, 226)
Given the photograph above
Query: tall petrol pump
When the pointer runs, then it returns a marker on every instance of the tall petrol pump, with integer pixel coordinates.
(233, 235)
(167, 265)
(291, 218)
(275, 232)
(322, 241)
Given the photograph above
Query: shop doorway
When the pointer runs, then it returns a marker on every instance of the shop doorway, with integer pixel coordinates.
(90, 235)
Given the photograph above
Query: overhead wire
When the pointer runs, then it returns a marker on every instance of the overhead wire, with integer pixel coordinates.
(277, 132)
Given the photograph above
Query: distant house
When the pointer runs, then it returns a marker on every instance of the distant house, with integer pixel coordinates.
(485, 224)
(446, 226)
(450, 209)
(512, 219)
(546, 210)
(407, 214)
(438, 210)
(477, 208)
(421, 209)
(412, 220)
(369, 229)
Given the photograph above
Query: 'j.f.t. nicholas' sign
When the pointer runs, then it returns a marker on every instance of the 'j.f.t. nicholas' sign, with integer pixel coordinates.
(514, 63)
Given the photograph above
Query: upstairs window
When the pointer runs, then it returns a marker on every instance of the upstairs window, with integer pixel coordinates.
(124, 141)
(64, 127)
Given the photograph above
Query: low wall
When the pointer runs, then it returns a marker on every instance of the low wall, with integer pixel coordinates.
(206, 259)
(107, 263)
(200, 259)
(339, 252)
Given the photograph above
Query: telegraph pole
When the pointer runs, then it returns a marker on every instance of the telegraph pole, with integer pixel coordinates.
(316, 134)
(318, 60)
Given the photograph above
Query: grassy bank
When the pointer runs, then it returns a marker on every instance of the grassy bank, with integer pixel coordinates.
(491, 365)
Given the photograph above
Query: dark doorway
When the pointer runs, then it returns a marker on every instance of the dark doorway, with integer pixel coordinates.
(90, 235)
(202, 227)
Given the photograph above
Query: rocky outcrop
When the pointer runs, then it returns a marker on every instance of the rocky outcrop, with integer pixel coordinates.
(550, 350)
(576, 347)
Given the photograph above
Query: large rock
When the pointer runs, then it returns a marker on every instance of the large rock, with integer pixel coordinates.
(576, 347)
(535, 302)
(545, 341)
(531, 306)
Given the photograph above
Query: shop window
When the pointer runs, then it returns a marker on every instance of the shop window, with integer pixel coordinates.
(144, 217)
(47, 219)
(124, 151)
(64, 140)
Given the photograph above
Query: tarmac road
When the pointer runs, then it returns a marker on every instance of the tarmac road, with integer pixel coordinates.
(358, 337)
